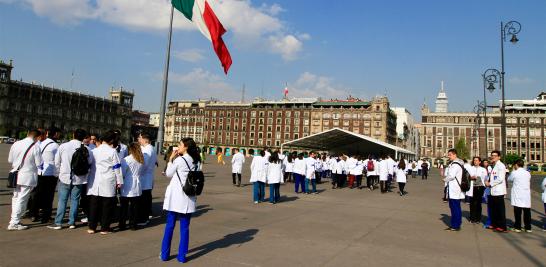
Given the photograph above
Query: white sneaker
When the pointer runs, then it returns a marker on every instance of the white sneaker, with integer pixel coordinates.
(72, 227)
(55, 227)
(84, 220)
(17, 227)
(143, 223)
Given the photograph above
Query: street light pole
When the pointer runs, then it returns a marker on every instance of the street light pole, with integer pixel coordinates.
(513, 28)
(490, 78)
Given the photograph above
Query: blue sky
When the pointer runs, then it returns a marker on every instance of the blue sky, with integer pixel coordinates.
(320, 48)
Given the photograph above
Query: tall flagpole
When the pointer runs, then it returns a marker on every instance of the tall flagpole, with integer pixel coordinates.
(160, 132)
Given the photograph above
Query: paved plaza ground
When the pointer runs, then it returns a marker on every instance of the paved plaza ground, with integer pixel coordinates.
(334, 228)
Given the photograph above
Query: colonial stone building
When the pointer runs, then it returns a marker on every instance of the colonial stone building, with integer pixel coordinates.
(525, 120)
(268, 123)
(28, 105)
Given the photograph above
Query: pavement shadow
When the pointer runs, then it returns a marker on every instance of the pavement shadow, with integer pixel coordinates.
(288, 199)
(200, 210)
(237, 238)
(446, 219)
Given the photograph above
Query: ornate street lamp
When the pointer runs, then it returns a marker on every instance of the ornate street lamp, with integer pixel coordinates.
(490, 78)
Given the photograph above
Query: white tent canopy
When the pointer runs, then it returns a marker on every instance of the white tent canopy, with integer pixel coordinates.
(338, 141)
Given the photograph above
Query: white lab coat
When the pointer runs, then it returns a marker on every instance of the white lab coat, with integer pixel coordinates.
(419, 163)
(63, 158)
(107, 172)
(123, 151)
(310, 168)
(48, 150)
(288, 166)
(274, 173)
(383, 170)
(131, 170)
(497, 179)
(175, 198)
(391, 166)
(337, 168)
(150, 159)
(400, 175)
(325, 164)
(300, 167)
(454, 175)
(544, 190)
(358, 168)
(237, 162)
(258, 169)
(28, 174)
(521, 188)
(350, 164)
(470, 192)
(477, 171)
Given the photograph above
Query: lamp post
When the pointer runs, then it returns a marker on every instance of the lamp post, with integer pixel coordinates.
(476, 131)
(490, 78)
(511, 28)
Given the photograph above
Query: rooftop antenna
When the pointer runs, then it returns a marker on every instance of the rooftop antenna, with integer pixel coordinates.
(72, 79)
(243, 94)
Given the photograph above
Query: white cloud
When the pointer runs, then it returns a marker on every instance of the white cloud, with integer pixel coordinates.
(190, 55)
(203, 84)
(312, 85)
(252, 27)
(521, 80)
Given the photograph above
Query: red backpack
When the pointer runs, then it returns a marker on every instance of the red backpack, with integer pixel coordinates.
(370, 166)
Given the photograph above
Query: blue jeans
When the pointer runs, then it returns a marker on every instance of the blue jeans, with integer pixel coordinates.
(259, 191)
(488, 221)
(313, 183)
(274, 193)
(299, 181)
(172, 217)
(544, 227)
(65, 191)
(456, 213)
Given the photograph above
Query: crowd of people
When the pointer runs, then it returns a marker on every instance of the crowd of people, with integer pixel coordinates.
(306, 171)
(488, 183)
(94, 173)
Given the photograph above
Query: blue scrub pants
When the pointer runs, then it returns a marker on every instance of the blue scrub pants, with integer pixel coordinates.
(456, 213)
(172, 217)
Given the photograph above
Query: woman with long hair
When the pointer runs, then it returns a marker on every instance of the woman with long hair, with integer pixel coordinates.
(289, 167)
(258, 173)
(274, 177)
(178, 205)
(131, 167)
(401, 176)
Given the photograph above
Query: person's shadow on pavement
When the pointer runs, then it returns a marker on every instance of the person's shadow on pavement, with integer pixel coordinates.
(226, 241)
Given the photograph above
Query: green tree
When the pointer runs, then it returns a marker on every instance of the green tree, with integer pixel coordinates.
(510, 159)
(462, 149)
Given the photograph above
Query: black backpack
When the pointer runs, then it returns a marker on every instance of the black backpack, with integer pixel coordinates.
(465, 180)
(194, 182)
(80, 161)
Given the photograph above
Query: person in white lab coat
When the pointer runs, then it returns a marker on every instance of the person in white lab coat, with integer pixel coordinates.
(543, 186)
(358, 171)
(300, 168)
(497, 183)
(70, 185)
(237, 162)
(120, 147)
(102, 186)
(24, 157)
(383, 170)
(310, 172)
(131, 168)
(401, 176)
(258, 174)
(391, 166)
(178, 205)
(521, 196)
(371, 166)
(478, 174)
(147, 178)
(47, 179)
(337, 170)
(469, 193)
(351, 176)
(288, 163)
(274, 177)
(453, 178)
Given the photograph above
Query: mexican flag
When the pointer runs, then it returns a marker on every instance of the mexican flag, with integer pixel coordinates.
(202, 15)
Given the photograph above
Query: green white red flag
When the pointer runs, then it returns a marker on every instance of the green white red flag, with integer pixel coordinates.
(200, 12)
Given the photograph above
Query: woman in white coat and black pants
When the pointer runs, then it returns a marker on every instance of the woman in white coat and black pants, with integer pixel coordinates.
(274, 177)
(178, 205)
(102, 185)
(131, 190)
(521, 196)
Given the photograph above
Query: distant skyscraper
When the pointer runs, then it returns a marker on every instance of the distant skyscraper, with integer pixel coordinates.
(441, 100)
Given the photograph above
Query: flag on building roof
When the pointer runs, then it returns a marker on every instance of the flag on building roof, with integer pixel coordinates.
(202, 15)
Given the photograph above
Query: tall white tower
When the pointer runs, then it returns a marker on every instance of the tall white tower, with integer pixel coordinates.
(441, 100)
